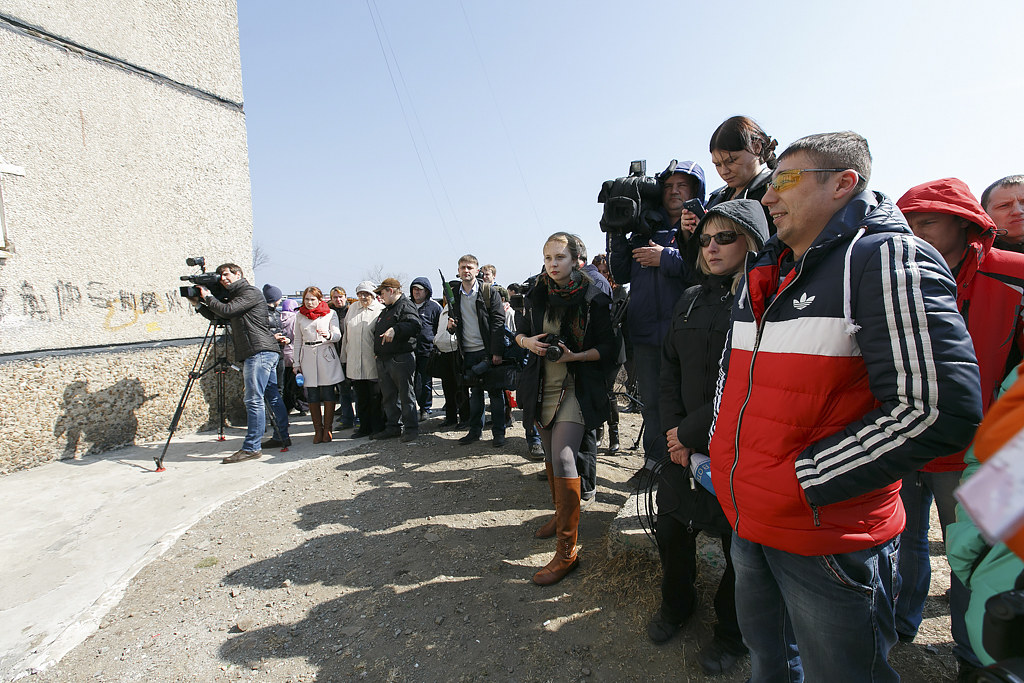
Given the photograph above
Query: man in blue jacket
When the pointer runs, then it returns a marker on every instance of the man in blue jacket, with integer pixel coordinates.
(430, 313)
(657, 270)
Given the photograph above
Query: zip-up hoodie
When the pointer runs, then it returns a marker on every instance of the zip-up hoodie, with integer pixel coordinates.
(852, 372)
(653, 292)
(989, 284)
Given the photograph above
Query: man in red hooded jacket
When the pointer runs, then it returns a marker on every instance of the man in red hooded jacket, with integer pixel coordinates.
(989, 283)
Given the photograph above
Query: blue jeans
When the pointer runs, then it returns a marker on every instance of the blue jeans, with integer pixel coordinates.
(257, 370)
(915, 559)
(826, 617)
(532, 436)
(273, 398)
(648, 376)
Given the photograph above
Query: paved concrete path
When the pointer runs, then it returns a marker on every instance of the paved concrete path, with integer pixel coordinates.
(75, 532)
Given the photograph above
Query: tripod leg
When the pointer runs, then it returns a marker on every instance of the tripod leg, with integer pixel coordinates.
(639, 436)
(209, 340)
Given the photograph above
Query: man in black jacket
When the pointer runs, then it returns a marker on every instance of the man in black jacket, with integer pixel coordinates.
(480, 327)
(255, 347)
(394, 341)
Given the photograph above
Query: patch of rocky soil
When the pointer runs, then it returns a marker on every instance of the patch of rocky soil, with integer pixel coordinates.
(412, 562)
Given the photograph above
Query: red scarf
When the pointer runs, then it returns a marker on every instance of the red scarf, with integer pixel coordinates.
(314, 313)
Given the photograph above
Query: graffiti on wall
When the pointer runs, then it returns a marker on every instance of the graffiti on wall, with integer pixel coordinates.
(65, 301)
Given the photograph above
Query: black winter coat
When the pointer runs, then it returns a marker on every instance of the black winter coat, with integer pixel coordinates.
(246, 308)
(755, 190)
(405, 318)
(689, 372)
(589, 377)
(490, 313)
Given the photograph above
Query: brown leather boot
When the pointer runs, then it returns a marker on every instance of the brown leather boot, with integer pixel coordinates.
(549, 528)
(318, 422)
(567, 514)
(328, 420)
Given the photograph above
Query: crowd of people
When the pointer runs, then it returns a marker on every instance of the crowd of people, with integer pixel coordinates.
(825, 351)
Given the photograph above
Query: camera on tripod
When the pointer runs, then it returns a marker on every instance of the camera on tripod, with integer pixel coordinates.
(209, 280)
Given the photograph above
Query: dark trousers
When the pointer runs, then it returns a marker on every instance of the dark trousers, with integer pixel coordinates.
(423, 383)
(397, 375)
(345, 402)
(476, 402)
(586, 461)
(677, 547)
(368, 406)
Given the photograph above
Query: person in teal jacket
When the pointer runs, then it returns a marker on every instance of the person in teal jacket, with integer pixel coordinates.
(986, 570)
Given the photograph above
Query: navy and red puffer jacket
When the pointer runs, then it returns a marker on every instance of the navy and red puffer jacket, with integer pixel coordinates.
(840, 377)
(989, 288)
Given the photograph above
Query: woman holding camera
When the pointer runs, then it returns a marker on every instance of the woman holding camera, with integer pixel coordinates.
(569, 335)
(316, 328)
(689, 364)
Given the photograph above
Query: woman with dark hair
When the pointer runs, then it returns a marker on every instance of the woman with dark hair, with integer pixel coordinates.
(620, 298)
(563, 386)
(744, 156)
(689, 364)
(316, 328)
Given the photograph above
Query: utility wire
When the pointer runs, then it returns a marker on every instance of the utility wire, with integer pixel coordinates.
(406, 117)
(416, 117)
(500, 117)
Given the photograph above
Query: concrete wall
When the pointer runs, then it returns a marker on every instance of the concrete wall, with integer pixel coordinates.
(70, 407)
(125, 175)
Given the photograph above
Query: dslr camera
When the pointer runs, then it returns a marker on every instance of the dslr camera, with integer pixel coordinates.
(554, 351)
(209, 280)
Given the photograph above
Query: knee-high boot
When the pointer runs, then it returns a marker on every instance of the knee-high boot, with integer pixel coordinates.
(328, 420)
(318, 422)
(549, 528)
(567, 514)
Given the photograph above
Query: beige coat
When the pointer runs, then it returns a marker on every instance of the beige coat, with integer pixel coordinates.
(357, 346)
(319, 363)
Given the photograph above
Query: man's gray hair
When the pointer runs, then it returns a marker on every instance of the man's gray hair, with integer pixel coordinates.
(836, 150)
(1008, 181)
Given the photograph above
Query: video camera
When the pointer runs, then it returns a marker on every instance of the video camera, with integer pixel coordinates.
(631, 203)
(209, 280)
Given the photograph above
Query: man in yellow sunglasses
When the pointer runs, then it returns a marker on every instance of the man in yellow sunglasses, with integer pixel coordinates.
(848, 367)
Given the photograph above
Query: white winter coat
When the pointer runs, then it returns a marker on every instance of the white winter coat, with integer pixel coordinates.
(319, 364)
(357, 346)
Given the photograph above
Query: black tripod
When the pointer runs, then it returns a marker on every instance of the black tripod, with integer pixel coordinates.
(219, 366)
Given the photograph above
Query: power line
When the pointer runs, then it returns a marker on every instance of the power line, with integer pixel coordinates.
(500, 117)
(406, 117)
(416, 117)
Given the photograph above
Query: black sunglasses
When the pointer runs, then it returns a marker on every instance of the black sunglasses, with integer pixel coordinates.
(722, 238)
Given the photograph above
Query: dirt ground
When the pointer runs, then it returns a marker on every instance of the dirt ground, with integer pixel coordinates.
(412, 562)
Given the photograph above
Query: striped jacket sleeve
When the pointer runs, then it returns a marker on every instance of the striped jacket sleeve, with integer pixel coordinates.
(921, 369)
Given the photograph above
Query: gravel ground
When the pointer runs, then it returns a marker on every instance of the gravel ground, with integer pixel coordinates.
(412, 562)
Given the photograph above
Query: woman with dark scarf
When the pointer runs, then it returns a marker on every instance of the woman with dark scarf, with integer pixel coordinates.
(316, 328)
(566, 395)
(690, 362)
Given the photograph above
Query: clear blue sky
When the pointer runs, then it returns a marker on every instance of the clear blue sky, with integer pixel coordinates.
(520, 110)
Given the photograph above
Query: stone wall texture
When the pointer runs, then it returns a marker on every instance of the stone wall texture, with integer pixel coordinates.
(125, 175)
(69, 407)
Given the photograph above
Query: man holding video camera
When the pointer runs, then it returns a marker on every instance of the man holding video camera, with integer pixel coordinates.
(246, 309)
(658, 271)
(479, 322)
